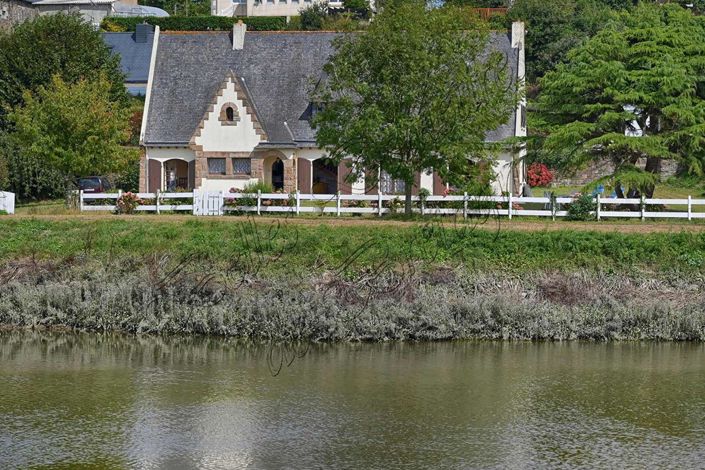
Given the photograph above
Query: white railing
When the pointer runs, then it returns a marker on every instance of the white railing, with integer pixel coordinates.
(218, 203)
(7, 202)
(152, 202)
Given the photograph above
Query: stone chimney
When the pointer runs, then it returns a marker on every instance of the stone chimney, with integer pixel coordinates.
(517, 34)
(239, 29)
(142, 31)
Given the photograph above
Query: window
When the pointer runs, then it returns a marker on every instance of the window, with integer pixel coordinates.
(229, 115)
(242, 166)
(388, 185)
(216, 166)
(523, 116)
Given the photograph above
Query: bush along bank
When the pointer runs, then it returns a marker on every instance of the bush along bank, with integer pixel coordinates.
(441, 304)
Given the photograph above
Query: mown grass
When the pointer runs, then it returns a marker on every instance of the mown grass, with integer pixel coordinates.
(297, 248)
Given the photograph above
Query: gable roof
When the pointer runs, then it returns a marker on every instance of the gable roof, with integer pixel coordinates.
(242, 95)
(278, 69)
(134, 56)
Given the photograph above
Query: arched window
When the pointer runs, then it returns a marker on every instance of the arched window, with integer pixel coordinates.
(229, 115)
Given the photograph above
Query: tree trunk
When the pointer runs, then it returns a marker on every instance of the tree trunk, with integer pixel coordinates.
(653, 165)
(408, 187)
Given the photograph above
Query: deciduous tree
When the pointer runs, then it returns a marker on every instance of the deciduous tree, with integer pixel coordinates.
(63, 131)
(418, 90)
(49, 45)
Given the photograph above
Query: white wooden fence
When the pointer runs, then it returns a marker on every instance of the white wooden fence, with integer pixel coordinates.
(218, 203)
(7, 202)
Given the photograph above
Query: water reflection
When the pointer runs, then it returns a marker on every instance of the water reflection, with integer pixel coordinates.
(153, 402)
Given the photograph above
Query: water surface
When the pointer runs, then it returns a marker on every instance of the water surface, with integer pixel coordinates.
(145, 402)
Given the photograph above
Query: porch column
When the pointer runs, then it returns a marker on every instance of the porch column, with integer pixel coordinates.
(142, 186)
(289, 175)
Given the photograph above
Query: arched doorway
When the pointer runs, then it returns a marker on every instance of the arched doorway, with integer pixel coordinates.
(278, 175)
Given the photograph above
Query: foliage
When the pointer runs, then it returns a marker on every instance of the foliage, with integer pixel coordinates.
(553, 28)
(261, 186)
(323, 247)
(538, 174)
(249, 194)
(642, 74)
(582, 208)
(127, 203)
(313, 16)
(181, 7)
(65, 131)
(194, 23)
(412, 93)
(360, 8)
(129, 178)
(48, 45)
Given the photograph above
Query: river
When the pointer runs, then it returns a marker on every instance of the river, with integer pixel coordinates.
(148, 402)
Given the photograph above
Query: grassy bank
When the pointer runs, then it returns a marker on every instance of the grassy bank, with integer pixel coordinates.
(289, 248)
(262, 280)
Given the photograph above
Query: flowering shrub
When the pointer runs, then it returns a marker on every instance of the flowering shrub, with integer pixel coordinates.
(539, 175)
(127, 203)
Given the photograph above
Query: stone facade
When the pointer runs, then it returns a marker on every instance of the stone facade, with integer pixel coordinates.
(13, 12)
(602, 168)
(289, 175)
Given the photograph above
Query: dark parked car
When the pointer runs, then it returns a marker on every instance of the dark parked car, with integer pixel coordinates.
(94, 184)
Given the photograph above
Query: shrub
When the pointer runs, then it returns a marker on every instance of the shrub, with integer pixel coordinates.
(538, 174)
(312, 17)
(249, 193)
(582, 208)
(127, 203)
(194, 23)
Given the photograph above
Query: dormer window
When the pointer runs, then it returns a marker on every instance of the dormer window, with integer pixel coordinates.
(229, 115)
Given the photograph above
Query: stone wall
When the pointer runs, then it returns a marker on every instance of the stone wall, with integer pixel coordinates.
(596, 170)
(13, 12)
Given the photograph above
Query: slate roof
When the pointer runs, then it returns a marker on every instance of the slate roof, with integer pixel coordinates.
(278, 68)
(134, 56)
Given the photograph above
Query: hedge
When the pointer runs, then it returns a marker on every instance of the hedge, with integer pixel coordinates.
(194, 23)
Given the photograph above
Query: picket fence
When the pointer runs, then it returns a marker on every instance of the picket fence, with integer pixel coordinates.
(7, 202)
(219, 203)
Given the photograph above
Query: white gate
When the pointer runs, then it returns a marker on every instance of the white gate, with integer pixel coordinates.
(7, 202)
(205, 203)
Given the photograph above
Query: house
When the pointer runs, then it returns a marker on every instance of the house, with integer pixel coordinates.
(267, 7)
(13, 12)
(16, 11)
(135, 51)
(223, 110)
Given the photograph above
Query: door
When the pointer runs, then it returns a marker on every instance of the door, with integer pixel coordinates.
(278, 175)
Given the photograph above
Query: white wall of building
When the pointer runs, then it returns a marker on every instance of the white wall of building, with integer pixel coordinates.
(216, 137)
(163, 154)
(224, 185)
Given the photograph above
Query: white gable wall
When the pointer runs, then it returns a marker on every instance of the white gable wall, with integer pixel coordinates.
(216, 137)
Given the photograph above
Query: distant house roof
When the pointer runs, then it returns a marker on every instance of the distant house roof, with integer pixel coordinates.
(123, 10)
(279, 70)
(70, 2)
(134, 56)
